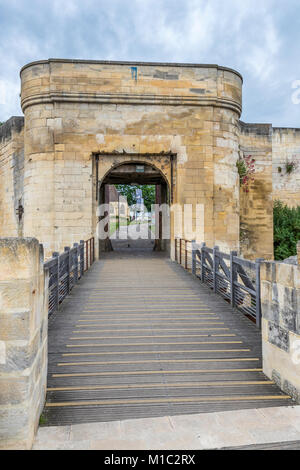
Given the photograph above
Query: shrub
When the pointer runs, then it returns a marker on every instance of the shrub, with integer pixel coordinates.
(246, 170)
(286, 230)
(291, 165)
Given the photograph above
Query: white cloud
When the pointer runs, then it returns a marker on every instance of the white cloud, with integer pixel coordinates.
(253, 36)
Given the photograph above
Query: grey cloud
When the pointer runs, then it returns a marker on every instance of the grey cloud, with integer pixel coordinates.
(258, 38)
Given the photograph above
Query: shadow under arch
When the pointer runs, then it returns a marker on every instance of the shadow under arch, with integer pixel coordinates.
(140, 172)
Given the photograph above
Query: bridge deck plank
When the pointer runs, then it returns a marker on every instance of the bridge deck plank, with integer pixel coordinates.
(140, 337)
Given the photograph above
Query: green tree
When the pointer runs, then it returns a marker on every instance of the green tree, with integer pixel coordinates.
(128, 191)
(286, 230)
(148, 192)
(149, 195)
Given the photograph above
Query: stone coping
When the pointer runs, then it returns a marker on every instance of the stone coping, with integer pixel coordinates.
(133, 63)
(15, 123)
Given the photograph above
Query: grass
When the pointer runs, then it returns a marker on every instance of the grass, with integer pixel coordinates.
(43, 420)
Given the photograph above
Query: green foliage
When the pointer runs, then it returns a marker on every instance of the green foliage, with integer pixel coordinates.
(129, 192)
(290, 166)
(246, 170)
(286, 230)
(43, 420)
(242, 170)
(148, 195)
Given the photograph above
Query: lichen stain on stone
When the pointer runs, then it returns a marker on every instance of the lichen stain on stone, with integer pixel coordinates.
(165, 75)
(199, 91)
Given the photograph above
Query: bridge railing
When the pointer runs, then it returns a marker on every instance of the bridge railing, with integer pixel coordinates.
(236, 279)
(184, 252)
(66, 269)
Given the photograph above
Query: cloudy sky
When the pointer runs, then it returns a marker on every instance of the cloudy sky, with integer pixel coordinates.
(259, 38)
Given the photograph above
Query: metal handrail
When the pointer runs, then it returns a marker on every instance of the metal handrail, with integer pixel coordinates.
(183, 242)
(236, 279)
(66, 269)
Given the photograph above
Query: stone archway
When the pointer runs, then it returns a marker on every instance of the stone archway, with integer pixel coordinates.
(155, 170)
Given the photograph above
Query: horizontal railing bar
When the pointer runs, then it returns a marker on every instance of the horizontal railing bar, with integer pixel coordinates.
(49, 264)
(224, 273)
(241, 286)
(66, 269)
(244, 262)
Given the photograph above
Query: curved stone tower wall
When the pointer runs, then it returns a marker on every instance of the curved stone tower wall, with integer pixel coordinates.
(74, 109)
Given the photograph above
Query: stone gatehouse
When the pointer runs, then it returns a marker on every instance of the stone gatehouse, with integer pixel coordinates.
(84, 120)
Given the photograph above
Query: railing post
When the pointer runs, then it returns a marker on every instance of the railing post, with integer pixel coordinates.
(202, 261)
(215, 250)
(81, 258)
(93, 241)
(180, 254)
(185, 262)
(76, 263)
(90, 244)
(56, 255)
(257, 288)
(193, 258)
(176, 257)
(70, 270)
(86, 256)
(67, 250)
(233, 277)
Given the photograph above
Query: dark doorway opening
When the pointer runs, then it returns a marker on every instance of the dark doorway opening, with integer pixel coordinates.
(136, 215)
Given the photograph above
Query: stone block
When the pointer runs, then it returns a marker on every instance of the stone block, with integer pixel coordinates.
(278, 336)
(15, 325)
(288, 309)
(23, 332)
(285, 274)
(13, 390)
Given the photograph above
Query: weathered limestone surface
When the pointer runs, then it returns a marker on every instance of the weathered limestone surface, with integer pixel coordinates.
(74, 109)
(23, 341)
(77, 109)
(280, 290)
(256, 206)
(11, 175)
(286, 147)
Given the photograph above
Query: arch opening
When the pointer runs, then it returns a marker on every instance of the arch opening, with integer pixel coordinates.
(134, 202)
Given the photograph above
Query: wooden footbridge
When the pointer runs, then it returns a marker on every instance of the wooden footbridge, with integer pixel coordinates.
(139, 336)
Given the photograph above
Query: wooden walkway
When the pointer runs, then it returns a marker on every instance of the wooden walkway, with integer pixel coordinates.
(140, 337)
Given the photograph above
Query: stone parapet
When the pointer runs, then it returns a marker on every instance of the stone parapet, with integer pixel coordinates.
(23, 340)
(280, 294)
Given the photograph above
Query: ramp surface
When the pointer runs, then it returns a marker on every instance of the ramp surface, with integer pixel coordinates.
(140, 337)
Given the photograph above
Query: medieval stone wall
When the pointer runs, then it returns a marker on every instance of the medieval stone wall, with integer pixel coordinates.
(124, 112)
(11, 176)
(286, 147)
(280, 294)
(23, 340)
(256, 206)
(74, 109)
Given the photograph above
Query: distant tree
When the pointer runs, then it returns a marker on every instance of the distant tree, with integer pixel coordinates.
(128, 191)
(148, 192)
(286, 230)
